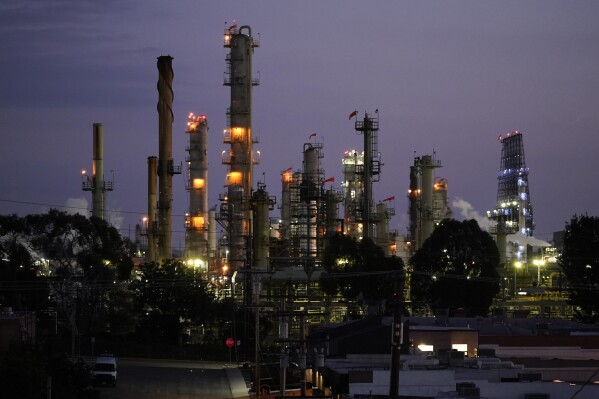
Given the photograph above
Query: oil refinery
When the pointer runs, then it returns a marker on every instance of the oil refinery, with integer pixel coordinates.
(266, 251)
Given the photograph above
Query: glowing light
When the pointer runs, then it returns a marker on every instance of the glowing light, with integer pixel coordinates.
(425, 348)
(287, 177)
(197, 222)
(233, 178)
(238, 133)
(198, 183)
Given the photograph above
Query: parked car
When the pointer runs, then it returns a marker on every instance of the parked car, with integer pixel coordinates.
(105, 370)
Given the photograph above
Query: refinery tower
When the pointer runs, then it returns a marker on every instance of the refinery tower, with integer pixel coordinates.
(236, 213)
(513, 210)
(196, 220)
(427, 200)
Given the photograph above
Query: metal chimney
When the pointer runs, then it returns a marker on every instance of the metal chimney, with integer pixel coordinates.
(166, 170)
(96, 183)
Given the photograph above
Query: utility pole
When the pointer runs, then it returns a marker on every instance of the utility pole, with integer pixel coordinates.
(396, 342)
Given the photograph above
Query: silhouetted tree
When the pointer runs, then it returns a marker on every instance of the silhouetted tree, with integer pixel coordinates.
(357, 269)
(85, 258)
(580, 263)
(171, 296)
(455, 268)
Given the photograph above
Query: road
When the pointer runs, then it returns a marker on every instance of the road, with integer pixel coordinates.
(167, 379)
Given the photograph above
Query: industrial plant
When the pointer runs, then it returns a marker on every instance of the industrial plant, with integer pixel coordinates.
(256, 246)
(265, 252)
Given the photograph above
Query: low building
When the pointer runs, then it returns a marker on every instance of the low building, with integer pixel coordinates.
(461, 357)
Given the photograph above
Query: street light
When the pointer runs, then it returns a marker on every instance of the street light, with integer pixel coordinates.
(517, 265)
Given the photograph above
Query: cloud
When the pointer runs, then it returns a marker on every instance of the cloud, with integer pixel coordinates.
(77, 205)
(467, 211)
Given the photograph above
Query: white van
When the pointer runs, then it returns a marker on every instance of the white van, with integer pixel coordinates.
(105, 370)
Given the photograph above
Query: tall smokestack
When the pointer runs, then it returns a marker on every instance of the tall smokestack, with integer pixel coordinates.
(96, 183)
(98, 171)
(151, 221)
(165, 156)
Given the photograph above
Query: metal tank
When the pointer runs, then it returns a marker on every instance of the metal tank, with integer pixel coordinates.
(261, 204)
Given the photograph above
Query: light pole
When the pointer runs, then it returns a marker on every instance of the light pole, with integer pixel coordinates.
(517, 265)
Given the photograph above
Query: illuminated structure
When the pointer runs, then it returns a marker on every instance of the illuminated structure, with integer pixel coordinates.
(285, 222)
(362, 218)
(235, 214)
(166, 169)
(513, 210)
(196, 220)
(365, 172)
(427, 200)
(96, 183)
(261, 205)
(309, 210)
(353, 165)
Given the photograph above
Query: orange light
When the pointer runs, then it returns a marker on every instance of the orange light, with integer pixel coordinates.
(197, 222)
(198, 183)
(238, 133)
(287, 177)
(234, 178)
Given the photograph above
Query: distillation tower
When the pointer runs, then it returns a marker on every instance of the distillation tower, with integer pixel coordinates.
(236, 213)
(427, 200)
(309, 211)
(353, 165)
(196, 220)
(96, 183)
(367, 172)
(166, 169)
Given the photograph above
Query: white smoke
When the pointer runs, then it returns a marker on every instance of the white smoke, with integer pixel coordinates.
(80, 205)
(114, 218)
(73, 206)
(467, 211)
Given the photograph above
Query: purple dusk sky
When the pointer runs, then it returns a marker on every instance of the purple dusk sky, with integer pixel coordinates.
(446, 76)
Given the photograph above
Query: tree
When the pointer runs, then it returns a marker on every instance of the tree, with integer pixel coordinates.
(171, 297)
(357, 269)
(455, 268)
(580, 263)
(85, 257)
(17, 267)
